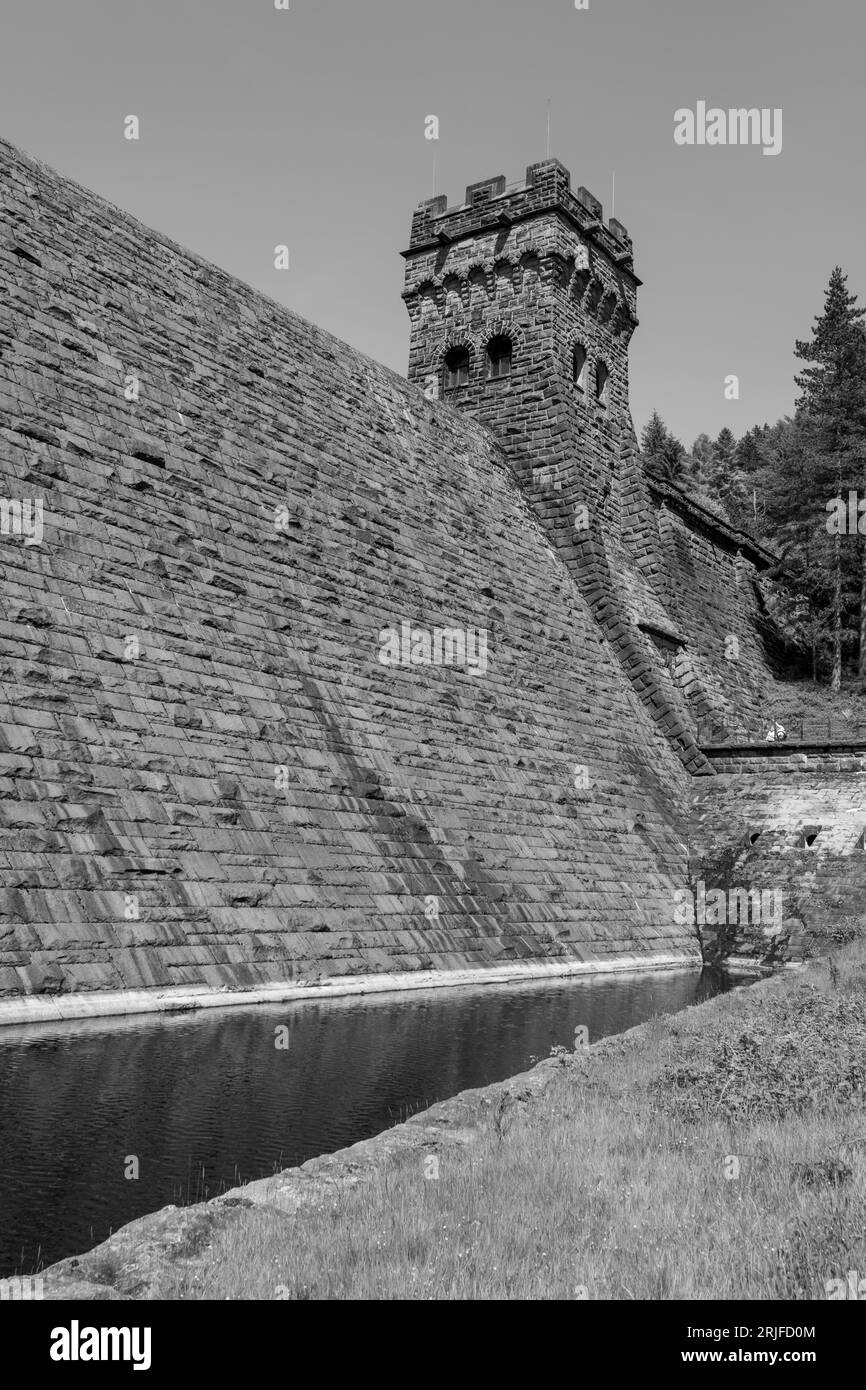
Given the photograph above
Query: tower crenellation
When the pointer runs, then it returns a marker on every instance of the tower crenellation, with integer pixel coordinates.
(522, 301)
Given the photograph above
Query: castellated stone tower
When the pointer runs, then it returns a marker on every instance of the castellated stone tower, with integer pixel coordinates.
(522, 303)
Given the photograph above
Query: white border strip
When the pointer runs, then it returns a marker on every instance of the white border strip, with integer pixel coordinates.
(56, 1008)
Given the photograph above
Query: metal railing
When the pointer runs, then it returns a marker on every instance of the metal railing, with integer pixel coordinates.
(714, 731)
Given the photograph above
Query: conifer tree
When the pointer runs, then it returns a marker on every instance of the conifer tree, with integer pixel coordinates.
(747, 455)
(725, 445)
(793, 519)
(654, 436)
(832, 407)
(662, 448)
(672, 455)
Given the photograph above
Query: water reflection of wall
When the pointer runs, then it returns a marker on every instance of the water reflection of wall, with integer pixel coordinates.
(215, 1090)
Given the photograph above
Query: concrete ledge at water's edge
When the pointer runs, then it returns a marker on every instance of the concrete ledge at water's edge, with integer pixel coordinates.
(58, 1008)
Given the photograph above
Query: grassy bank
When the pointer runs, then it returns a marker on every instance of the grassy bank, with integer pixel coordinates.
(719, 1153)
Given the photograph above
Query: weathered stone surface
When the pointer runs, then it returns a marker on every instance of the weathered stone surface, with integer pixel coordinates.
(209, 781)
(790, 823)
(254, 797)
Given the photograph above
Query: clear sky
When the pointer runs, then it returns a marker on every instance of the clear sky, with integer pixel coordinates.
(306, 127)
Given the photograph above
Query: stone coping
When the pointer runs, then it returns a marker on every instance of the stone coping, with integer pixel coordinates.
(762, 556)
(59, 1008)
(779, 748)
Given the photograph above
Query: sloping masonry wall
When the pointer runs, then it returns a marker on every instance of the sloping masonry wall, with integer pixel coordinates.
(208, 775)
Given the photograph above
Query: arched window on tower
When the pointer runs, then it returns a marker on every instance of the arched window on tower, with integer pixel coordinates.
(456, 368)
(578, 367)
(498, 358)
(602, 385)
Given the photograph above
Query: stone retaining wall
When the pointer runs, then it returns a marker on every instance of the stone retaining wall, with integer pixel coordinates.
(208, 776)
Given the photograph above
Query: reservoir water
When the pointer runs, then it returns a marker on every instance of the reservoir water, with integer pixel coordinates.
(205, 1101)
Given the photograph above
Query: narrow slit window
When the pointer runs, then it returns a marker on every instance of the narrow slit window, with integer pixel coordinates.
(498, 358)
(602, 385)
(456, 368)
(578, 367)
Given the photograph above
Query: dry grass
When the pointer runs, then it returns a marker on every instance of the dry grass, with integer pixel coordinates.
(615, 1183)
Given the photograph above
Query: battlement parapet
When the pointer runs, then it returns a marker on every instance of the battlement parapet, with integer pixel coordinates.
(493, 203)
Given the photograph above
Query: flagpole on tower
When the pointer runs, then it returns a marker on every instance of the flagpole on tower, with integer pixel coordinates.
(548, 127)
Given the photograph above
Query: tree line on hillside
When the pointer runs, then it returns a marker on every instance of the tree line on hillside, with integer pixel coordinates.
(791, 484)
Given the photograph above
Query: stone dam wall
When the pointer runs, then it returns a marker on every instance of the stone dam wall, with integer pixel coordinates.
(709, 579)
(310, 682)
(208, 777)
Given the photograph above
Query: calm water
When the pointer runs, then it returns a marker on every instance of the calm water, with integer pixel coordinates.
(207, 1102)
